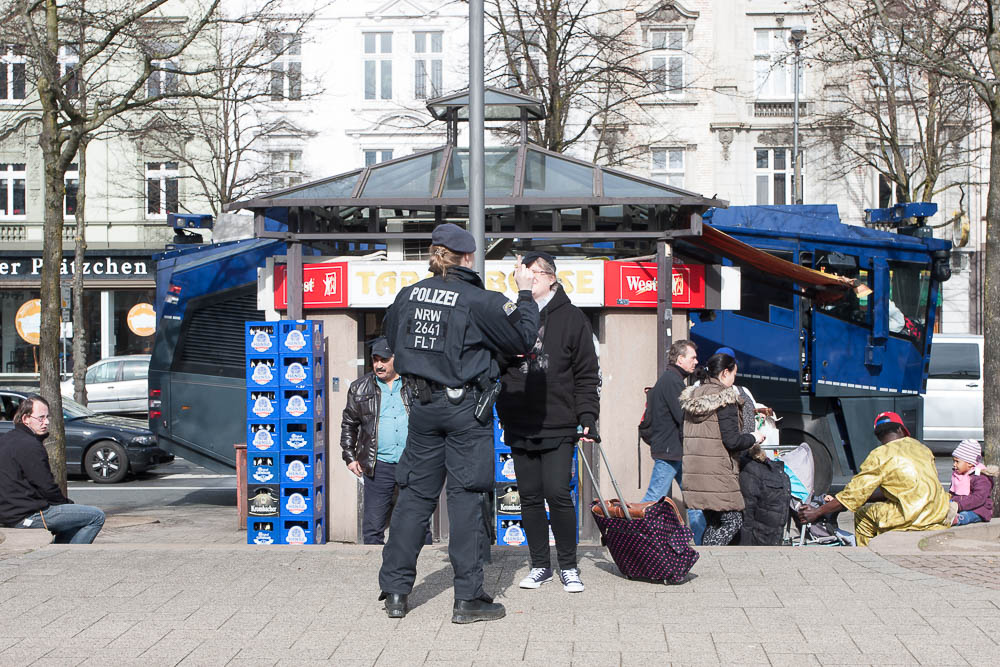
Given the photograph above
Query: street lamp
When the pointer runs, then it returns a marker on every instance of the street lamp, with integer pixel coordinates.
(798, 34)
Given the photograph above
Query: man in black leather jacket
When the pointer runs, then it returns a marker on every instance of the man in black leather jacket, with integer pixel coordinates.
(367, 422)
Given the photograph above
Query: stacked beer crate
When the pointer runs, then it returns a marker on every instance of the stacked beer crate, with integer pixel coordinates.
(286, 441)
(508, 499)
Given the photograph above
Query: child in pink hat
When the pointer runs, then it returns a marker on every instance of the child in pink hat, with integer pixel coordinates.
(971, 483)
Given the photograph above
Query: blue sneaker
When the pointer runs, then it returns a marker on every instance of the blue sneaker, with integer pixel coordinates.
(537, 577)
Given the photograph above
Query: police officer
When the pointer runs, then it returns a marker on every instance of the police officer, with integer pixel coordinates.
(447, 332)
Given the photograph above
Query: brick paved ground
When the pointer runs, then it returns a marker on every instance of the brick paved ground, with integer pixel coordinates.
(163, 604)
(981, 569)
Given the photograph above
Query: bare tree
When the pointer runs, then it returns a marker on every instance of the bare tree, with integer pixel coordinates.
(590, 63)
(130, 55)
(959, 40)
(907, 122)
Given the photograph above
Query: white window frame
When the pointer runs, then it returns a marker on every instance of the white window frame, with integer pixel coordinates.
(373, 156)
(286, 167)
(668, 59)
(770, 175)
(165, 176)
(13, 60)
(667, 164)
(428, 66)
(286, 68)
(774, 65)
(376, 53)
(12, 174)
(164, 79)
(69, 60)
(71, 179)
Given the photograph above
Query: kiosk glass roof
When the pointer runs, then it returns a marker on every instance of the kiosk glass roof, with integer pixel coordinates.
(549, 175)
(501, 165)
(410, 177)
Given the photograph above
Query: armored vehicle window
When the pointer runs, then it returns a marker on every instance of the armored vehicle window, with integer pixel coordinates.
(909, 288)
(759, 292)
(850, 306)
(954, 361)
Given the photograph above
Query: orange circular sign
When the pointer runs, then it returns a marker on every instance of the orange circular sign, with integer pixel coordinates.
(28, 320)
(142, 319)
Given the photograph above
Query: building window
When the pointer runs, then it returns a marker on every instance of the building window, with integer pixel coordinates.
(286, 69)
(72, 183)
(286, 169)
(163, 80)
(889, 192)
(667, 61)
(525, 70)
(12, 75)
(774, 66)
(12, 179)
(161, 189)
(668, 166)
(427, 64)
(378, 65)
(375, 156)
(69, 61)
(774, 176)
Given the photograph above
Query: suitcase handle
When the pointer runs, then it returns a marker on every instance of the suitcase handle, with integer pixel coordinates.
(593, 479)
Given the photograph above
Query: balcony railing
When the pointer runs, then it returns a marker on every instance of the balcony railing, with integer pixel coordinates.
(778, 109)
(13, 233)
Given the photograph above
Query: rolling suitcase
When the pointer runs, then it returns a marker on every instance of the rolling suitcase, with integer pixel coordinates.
(646, 540)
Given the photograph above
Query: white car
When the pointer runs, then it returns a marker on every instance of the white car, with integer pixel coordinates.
(953, 404)
(116, 385)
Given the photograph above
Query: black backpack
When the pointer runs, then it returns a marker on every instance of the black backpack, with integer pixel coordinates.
(646, 423)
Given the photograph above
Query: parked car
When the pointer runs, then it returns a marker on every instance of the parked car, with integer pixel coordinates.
(953, 403)
(116, 385)
(103, 447)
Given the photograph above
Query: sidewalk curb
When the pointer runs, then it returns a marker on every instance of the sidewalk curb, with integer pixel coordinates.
(983, 538)
(23, 539)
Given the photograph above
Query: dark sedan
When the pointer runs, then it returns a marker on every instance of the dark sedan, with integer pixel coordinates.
(103, 447)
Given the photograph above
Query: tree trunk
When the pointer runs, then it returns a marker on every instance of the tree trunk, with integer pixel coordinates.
(79, 323)
(991, 316)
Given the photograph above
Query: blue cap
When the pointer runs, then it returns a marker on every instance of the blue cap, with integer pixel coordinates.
(454, 238)
(726, 350)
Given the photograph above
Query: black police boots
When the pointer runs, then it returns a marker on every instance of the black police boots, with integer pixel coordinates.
(470, 611)
(395, 604)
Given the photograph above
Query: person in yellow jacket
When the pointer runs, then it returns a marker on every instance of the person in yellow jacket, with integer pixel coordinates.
(896, 488)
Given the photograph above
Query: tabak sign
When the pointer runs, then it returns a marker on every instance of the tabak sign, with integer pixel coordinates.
(323, 286)
(633, 285)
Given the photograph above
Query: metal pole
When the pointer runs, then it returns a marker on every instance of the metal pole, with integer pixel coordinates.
(477, 134)
(795, 129)
(664, 302)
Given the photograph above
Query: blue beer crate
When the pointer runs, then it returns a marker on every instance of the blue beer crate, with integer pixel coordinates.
(504, 467)
(305, 468)
(300, 336)
(301, 500)
(261, 337)
(262, 530)
(263, 468)
(302, 435)
(263, 435)
(262, 371)
(301, 402)
(510, 532)
(262, 403)
(302, 531)
(499, 443)
(300, 370)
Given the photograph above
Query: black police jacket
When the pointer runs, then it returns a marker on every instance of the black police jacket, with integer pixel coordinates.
(359, 424)
(448, 329)
(26, 482)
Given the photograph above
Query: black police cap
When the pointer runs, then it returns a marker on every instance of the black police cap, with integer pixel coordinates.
(454, 238)
(529, 257)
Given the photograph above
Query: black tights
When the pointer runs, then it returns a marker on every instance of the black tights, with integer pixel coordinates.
(544, 476)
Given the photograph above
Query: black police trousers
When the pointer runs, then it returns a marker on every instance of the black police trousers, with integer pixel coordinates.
(445, 442)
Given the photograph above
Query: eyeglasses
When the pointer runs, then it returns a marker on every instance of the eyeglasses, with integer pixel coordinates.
(43, 418)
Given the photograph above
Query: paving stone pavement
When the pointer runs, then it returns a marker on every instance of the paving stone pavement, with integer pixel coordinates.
(227, 604)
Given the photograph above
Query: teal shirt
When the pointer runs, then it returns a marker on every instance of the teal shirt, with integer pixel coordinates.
(393, 422)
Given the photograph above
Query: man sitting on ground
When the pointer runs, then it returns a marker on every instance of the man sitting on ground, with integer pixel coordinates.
(29, 495)
(899, 483)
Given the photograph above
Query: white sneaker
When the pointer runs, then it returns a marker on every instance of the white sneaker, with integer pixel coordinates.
(537, 577)
(571, 580)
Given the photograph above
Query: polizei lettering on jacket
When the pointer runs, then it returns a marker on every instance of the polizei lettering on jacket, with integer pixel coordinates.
(440, 297)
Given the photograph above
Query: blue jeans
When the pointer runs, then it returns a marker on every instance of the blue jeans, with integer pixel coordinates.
(71, 524)
(967, 517)
(661, 479)
(697, 524)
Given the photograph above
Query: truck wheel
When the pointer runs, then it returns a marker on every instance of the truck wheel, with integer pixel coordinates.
(106, 462)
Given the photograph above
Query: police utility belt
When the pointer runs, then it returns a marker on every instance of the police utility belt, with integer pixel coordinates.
(488, 389)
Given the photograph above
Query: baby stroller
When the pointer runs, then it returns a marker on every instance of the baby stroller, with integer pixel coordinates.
(799, 466)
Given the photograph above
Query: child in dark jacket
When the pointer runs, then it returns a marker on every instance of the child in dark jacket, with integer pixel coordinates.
(971, 484)
(767, 494)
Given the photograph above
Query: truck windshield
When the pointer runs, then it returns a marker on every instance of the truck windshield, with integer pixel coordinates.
(909, 288)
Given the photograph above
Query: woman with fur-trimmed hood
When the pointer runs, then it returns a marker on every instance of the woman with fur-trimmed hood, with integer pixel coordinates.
(712, 446)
